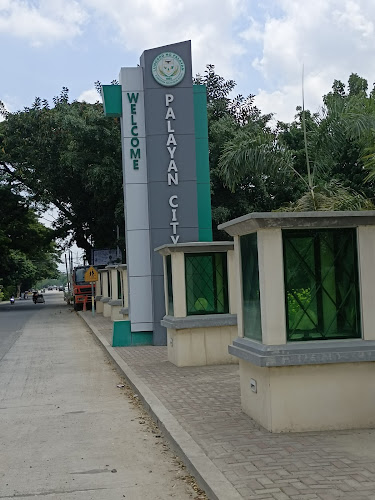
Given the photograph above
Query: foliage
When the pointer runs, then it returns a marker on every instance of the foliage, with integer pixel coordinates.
(256, 147)
(233, 123)
(299, 301)
(336, 139)
(69, 157)
(27, 251)
(58, 279)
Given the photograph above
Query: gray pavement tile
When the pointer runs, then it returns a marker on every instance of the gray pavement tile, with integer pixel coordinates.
(205, 401)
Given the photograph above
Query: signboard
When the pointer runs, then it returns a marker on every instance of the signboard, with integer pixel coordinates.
(165, 169)
(91, 274)
(105, 256)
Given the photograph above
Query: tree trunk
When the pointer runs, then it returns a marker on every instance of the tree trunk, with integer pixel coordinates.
(82, 242)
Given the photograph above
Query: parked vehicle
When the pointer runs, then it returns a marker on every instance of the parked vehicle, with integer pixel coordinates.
(39, 299)
(81, 289)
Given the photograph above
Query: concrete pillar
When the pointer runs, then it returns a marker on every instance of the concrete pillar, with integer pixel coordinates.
(114, 283)
(366, 256)
(232, 282)
(178, 284)
(271, 283)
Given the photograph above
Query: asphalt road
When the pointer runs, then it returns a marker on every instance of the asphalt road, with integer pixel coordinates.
(13, 318)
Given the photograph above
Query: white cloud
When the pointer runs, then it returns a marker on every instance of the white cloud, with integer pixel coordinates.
(149, 23)
(41, 21)
(90, 95)
(261, 44)
(135, 25)
(330, 38)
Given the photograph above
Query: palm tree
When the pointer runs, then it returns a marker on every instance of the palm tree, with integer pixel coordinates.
(346, 121)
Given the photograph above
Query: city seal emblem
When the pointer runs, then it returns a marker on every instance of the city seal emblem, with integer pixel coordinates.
(168, 69)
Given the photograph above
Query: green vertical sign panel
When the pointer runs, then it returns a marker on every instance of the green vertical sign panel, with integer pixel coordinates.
(112, 100)
(202, 162)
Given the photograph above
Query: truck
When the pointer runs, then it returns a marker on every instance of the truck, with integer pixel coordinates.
(80, 289)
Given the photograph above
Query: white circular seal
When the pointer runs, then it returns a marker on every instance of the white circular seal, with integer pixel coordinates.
(168, 69)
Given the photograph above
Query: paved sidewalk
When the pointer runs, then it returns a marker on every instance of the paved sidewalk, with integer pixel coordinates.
(231, 456)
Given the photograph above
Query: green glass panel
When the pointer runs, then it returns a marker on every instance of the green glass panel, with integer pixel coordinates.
(250, 287)
(119, 285)
(109, 284)
(206, 283)
(169, 283)
(321, 284)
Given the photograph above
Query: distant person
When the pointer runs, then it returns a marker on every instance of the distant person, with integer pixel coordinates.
(35, 296)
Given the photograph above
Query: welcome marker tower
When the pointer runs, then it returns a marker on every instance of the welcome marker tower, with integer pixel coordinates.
(165, 170)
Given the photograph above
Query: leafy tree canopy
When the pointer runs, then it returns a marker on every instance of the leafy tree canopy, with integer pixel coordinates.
(67, 156)
(27, 251)
(318, 162)
(337, 139)
(240, 142)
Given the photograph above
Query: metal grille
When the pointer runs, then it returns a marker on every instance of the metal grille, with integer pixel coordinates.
(321, 284)
(206, 283)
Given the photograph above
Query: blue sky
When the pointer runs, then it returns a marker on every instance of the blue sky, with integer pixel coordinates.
(261, 44)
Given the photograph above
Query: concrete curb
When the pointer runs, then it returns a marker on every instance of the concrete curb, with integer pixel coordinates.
(208, 476)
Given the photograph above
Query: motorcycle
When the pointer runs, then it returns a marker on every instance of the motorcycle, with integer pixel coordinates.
(11, 300)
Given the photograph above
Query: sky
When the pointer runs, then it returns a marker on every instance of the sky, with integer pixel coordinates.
(261, 44)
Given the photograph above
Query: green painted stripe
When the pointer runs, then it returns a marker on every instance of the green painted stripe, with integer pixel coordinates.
(112, 100)
(204, 206)
(142, 338)
(201, 153)
(200, 111)
(202, 162)
(205, 234)
(121, 336)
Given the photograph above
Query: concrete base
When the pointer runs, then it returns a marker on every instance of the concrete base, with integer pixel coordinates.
(201, 346)
(106, 310)
(310, 397)
(115, 313)
(99, 306)
(122, 336)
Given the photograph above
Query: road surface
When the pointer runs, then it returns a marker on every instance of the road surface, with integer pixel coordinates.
(66, 430)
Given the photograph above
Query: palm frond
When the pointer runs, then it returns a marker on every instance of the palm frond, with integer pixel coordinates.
(331, 196)
(253, 153)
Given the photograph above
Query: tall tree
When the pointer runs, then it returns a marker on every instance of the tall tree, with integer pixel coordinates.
(232, 121)
(68, 157)
(27, 251)
(335, 141)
